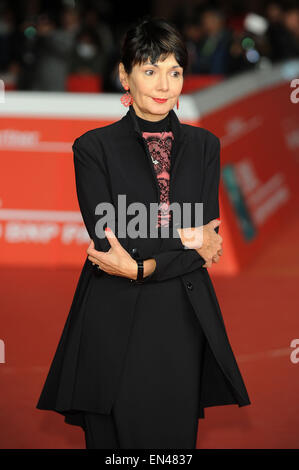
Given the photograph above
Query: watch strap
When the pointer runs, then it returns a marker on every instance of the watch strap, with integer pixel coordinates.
(140, 265)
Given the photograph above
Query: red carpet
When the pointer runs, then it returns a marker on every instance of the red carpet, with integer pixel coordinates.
(260, 309)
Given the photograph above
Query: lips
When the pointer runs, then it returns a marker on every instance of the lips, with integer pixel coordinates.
(159, 100)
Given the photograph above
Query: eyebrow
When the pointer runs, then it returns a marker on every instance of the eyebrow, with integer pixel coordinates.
(156, 65)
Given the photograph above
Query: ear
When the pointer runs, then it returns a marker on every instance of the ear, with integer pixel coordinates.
(120, 68)
(122, 75)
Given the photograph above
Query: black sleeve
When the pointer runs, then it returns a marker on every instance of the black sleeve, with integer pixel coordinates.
(92, 188)
(174, 259)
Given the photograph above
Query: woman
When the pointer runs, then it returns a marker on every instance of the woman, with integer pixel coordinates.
(144, 349)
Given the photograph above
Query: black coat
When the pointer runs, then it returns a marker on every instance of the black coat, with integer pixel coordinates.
(111, 160)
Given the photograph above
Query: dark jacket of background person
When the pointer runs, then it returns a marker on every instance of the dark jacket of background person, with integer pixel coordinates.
(53, 55)
(109, 161)
(283, 43)
(213, 54)
(87, 55)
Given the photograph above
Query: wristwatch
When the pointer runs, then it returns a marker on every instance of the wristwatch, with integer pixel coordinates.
(135, 254)
(139, 279)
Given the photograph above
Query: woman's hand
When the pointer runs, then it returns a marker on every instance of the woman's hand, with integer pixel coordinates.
(117, 261)
(204, 240)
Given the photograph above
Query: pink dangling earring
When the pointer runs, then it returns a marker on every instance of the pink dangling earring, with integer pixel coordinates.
(127, 98)
(177, 104)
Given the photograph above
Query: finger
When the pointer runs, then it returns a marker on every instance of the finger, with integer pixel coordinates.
(112, 238)
(91, 245)
(103, 266)
(208, 264)
(215, 223)
(189, 234)
(100, 255)
(95, 261)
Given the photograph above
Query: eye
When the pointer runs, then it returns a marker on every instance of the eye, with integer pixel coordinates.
(149, 70)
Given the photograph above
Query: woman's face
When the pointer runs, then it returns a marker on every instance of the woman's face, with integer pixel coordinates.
(147, 81)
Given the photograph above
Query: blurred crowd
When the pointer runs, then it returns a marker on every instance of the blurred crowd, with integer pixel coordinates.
(43, 43)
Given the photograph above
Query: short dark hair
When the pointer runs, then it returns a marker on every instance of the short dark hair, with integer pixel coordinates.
(154, 38)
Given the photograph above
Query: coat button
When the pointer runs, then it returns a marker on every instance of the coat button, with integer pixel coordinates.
(134, 252)
(189, 285)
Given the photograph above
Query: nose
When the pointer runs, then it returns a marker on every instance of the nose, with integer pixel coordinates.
(163, 83)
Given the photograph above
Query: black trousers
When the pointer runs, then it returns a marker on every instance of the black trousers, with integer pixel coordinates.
(158, 400)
